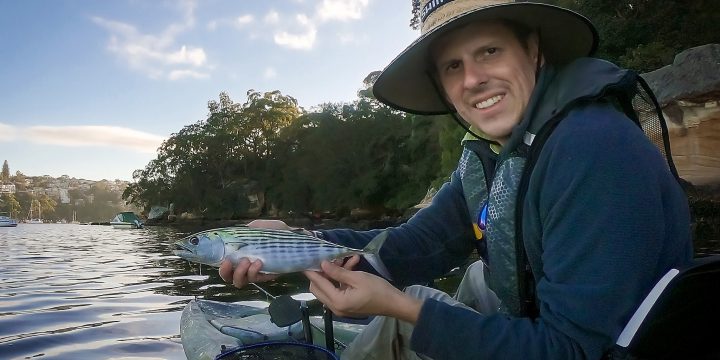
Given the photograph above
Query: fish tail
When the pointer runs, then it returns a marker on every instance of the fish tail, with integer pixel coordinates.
(371, 253)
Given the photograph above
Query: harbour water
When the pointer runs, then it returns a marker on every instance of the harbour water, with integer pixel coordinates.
(72, 291)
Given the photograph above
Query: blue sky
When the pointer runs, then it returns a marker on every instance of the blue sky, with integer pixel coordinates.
(91, 88)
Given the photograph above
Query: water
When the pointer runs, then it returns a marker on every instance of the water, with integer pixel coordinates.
(93, 292)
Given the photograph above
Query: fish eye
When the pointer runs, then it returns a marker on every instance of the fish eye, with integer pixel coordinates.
(195, 240)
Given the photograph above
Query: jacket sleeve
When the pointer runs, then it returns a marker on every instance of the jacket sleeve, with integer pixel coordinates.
(607, 219)
(430, 244)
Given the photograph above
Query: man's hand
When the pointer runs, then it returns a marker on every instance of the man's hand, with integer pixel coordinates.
(360, 293)
(246, 271)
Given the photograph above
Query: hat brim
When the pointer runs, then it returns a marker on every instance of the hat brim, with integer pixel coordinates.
(405, 84)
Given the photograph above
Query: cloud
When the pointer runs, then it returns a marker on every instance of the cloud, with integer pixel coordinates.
(301, 41)
(156, 55)
(341, 10)
(272, 17)
(7, 132)
(80, 136)
(302, 33)
(243, 20)
(327, 10)
(186, 74)
(238, 22)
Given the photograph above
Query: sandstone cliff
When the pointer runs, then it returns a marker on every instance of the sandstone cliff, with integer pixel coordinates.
(688, 90)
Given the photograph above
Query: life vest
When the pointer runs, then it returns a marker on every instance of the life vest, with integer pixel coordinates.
(494, 185)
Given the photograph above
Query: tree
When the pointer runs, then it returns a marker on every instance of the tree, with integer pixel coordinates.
(5, 177)
(646, 34)
(10, 205)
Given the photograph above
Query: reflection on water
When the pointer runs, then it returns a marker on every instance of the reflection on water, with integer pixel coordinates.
(93, 292)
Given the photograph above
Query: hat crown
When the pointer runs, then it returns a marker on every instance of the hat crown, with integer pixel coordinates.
(435, 13)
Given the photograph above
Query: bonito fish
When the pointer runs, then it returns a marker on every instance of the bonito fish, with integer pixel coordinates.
(281, 251)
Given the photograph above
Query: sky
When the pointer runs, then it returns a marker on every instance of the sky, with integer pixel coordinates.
(90, 89)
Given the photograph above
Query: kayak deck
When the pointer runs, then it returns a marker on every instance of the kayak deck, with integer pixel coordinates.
(208, 328)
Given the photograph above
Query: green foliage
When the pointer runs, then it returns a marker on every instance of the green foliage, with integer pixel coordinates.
(646, 34)
(207, 167)
(336, 158)
(10, 205)
(5, 175)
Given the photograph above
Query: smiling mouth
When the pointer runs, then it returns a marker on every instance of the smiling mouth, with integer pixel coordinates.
(489, 102)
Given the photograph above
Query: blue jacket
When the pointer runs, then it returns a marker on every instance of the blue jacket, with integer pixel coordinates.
(603, 220)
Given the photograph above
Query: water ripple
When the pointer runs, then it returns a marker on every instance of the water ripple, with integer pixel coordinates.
(92, 292)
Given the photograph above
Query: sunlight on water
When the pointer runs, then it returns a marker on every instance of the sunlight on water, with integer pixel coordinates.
(93, 292)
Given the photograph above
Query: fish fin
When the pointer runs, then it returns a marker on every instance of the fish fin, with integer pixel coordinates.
(371, 253)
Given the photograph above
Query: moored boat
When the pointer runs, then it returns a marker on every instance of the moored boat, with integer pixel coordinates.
(126, 220)
(211, 328)
(6, 221)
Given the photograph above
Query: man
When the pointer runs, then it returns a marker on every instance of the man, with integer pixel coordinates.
(574, 212)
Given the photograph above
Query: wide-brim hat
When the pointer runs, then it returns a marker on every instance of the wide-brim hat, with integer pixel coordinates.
(406, 83)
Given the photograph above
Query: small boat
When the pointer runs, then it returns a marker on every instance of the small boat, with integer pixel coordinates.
(217, 330)
(126, 220)
(6, 221)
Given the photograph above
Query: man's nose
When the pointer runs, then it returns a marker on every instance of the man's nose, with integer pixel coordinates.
(475, 75)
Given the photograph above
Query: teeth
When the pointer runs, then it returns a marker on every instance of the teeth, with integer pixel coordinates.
(489, 102)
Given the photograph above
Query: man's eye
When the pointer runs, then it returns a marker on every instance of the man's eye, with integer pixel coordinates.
(492, 51)
(452, 66)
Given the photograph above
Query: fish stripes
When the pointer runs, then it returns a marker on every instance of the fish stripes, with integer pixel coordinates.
(281, 251)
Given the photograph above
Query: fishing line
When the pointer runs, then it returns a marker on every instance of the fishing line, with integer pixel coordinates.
(263, 290)
(338, 343)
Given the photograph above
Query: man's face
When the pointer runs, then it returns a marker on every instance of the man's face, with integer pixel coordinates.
(487, 75)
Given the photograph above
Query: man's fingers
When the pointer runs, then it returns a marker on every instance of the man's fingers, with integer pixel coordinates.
(253, 273)
(335, 272)
(226, 271)
(351, 262)
(240, 274)
(319, 285)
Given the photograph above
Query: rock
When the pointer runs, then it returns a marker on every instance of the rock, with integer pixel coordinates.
(688, 91)
(693, 76)
(695, 143)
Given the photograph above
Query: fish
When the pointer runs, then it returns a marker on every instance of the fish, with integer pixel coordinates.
(281, 251)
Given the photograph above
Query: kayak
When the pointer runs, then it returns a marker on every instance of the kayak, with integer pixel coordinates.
(210, 328)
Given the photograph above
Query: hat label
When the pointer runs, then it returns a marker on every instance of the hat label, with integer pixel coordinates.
(431, 6)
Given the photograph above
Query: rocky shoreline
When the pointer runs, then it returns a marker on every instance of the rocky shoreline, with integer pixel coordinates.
(704, 204)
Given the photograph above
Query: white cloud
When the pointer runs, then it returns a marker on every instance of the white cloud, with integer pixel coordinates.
(272, 17)
(341, 10)
(195, 56)
(185, 74)
(156, 55)
(301, 41)
(302, 33)
(243, 20)
(270, 73)
(7, 132)
(105, 136)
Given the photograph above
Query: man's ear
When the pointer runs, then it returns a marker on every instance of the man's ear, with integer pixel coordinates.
(534, 48)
